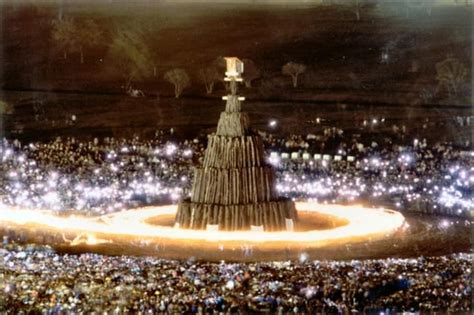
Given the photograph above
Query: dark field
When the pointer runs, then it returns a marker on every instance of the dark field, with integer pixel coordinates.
(388, 56)
(382, 66)
(42, 116)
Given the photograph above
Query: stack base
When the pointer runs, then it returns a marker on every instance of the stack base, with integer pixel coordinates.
(271, 215)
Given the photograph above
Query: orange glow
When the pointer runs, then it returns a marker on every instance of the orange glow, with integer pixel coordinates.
(363, 223)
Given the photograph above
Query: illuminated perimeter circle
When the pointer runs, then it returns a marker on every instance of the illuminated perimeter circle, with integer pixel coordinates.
(362, 224)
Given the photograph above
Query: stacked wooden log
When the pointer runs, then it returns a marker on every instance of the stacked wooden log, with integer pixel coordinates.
(234, 188)
(233, 124)
(271, 215)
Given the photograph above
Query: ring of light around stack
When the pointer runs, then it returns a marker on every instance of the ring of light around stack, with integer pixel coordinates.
(362, 223)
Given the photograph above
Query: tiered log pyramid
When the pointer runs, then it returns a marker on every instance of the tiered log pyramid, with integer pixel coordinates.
(234, 188)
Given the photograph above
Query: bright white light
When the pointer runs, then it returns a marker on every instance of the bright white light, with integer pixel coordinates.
(170, 149)
(274, 160)
(230, 285)
(303, 257)
(51, 198)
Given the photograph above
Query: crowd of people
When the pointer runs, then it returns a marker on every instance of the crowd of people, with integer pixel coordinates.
(39, 280)
(95, 177)
(436, 179)
(106, 175)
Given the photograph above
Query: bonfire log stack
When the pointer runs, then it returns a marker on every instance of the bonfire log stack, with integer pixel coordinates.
(235, 187)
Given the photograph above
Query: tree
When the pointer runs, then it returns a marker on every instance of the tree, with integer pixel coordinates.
(428, 4)
(88, 35)
(130, 55)
(209, 76)
(179, 78)
(61, 10)
(251, 72)
(294, 70)
(357, 7)
(74, 37)
(150, 32)
(64, 35)
(451, 74)
(418, 5)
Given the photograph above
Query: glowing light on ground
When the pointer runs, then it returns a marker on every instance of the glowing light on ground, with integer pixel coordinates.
(363, 223)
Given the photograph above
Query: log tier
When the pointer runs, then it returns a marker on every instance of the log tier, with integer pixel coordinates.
(234, 152)
(271, 215)
(233, 104)
(233, 185)
(233, 124)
